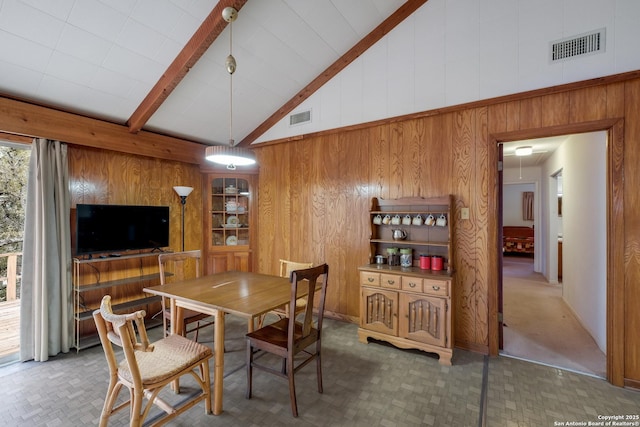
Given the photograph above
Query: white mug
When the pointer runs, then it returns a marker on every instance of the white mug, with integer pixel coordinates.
(441, 221)
(386, 219)
(417, 220)
(377, 219)
(406, 220)
(396, 220)
(429, 220)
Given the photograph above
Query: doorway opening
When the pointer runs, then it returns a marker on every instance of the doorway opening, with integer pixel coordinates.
(547, 318)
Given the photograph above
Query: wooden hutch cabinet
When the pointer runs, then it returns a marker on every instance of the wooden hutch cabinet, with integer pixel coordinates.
(409, 306)
(229, 222)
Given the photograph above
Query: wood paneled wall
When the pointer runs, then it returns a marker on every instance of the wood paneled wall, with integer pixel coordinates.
(110, 177)
(314, 195)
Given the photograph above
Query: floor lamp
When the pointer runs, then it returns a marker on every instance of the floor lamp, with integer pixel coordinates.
(183, 192)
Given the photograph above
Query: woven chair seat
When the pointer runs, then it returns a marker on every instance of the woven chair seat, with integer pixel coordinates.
(170, 355)
(146, 368)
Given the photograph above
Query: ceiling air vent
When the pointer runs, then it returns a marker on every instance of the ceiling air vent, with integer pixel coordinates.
(300, 118)
(584, 44)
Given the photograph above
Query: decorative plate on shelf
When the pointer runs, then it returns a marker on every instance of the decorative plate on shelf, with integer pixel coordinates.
(232, 221)
(232, 241)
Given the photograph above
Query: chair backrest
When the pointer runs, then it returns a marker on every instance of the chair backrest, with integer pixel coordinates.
(178, 264)
(118, 329)
(286, 267)
(308, 278)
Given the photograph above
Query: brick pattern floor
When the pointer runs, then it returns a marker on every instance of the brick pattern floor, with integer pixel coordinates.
(365, 385)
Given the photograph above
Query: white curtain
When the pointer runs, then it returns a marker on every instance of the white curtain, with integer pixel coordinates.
(527, 205)
(46, 299)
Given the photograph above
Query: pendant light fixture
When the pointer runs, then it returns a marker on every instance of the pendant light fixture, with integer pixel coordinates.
(524, 151)
(230, 156)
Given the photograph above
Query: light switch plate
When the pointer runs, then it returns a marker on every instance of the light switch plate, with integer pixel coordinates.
(464, 213)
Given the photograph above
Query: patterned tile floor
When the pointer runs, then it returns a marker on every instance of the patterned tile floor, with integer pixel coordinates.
(365, 385)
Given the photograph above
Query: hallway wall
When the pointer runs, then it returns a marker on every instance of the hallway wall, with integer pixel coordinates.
(582, 160)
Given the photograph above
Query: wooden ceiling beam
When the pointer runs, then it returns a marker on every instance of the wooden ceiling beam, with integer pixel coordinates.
(204, 36)
(369, 40)
(34, 121)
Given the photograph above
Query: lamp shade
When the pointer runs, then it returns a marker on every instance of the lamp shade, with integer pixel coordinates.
(225, 155)
(183, 191)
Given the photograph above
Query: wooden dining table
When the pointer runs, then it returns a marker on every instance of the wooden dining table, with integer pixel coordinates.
(244, 294)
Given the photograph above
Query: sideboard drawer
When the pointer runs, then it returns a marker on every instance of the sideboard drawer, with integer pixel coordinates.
(411, 284)
(369, 279)
(391, 281)
(436, 287)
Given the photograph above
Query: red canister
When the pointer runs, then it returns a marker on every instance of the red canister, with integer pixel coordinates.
(437, 262)
(425, 262)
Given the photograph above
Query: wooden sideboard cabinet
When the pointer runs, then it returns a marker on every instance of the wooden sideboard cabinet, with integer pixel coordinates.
(408, 306)
(416, 315)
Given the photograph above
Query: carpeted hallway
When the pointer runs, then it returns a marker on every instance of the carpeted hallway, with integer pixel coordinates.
(540, 327)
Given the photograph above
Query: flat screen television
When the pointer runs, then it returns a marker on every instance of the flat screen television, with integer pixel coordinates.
(114, 228)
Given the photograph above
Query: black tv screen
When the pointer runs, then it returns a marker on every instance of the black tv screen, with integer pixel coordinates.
(114, 228)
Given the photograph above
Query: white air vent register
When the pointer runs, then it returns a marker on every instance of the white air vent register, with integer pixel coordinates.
(581, 45)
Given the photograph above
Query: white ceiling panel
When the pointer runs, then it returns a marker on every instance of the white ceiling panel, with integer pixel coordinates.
(280, 46)
(59, 9)
(83, 45)
(97, 18)
(42, 28)
(101, 58)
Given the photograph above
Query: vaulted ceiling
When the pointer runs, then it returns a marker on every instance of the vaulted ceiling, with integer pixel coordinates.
(159, 65)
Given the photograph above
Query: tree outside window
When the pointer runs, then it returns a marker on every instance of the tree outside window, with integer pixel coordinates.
(14, 167)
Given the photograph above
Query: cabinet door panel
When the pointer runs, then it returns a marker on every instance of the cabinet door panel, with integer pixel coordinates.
(423, 319)
(379, 311)
(219, 262)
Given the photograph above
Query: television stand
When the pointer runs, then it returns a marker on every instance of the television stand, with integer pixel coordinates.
(123, 277)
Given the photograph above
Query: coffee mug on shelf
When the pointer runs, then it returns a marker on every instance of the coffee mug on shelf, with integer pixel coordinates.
(386, 219)
(406, 220)
(441, 221)
(396, 220)
(417, 220)
(429, 220)
(377, 220)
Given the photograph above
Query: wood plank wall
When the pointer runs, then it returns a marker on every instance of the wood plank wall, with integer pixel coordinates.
(315, 192)
(115, 178)
(110, 177)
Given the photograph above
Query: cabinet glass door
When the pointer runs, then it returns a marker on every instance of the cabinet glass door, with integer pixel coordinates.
(229, 212)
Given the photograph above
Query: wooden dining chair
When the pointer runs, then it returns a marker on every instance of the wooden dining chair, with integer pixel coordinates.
(286, 268)
(289, 337)
(177, 264)
(145, 368)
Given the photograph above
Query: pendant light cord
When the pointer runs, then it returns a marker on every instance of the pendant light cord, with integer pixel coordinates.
(231, 87)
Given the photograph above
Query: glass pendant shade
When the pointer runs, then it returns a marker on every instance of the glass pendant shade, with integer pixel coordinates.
(235, 156)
